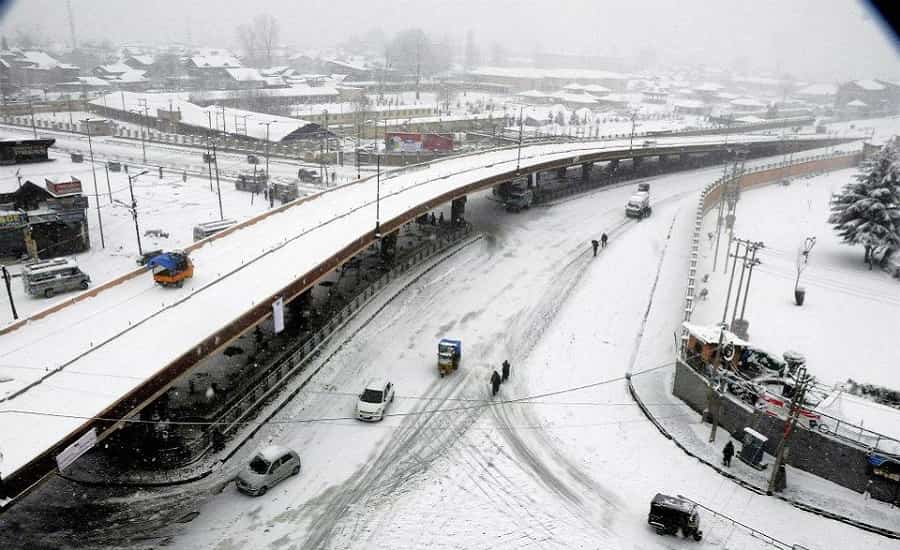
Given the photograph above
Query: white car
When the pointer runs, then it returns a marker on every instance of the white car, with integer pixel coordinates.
(267, 468)
(374, 399)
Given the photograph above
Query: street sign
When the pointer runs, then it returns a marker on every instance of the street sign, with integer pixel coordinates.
(278, 314)
(71, 453)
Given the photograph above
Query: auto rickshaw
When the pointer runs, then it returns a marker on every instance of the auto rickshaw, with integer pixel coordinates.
(449, 354)
(171, 268)
(669, 514)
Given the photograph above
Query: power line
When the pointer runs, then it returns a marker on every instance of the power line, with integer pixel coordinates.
(478, 405)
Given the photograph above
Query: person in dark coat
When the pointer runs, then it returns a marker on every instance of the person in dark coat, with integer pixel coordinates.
(595, 245)
(505, 371)
(433, 219)
(727, 453)
(495, 383)
(441, 219)
(603, 239)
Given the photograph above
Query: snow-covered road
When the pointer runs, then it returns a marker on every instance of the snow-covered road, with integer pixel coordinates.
(574, 470)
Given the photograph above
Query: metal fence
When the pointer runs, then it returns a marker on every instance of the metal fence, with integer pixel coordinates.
(294, 361)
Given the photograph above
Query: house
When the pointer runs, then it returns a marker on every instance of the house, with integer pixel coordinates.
(44, 222)
(878, 97)
(139, 62)
(32, 68)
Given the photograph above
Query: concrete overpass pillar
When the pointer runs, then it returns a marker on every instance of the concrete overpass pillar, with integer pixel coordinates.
(389, 247)
(586, 171)
(458, 209)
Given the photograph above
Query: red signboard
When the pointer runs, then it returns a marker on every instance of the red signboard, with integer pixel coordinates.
(411, 142)
(64, 187)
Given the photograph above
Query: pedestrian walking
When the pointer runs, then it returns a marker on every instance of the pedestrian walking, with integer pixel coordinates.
(441, 219)
(603, 239)
(727, 453)
(433, 220)
(495, 383)
(505, 370)
(595, 246)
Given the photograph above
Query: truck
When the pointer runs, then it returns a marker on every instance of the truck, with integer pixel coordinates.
(449, 354)
(638, 205)
(515, 195)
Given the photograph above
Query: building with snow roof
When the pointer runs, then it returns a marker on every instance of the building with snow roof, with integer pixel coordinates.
(33, 68)
(879, 97)
(174, 112)
(526, 78)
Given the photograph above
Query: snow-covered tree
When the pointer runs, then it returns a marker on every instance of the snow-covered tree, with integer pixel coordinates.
(867, 211)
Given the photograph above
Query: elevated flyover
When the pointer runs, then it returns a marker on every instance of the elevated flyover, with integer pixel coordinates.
(78, 370)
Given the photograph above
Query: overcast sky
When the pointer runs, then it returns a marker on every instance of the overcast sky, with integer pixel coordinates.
(814, 39)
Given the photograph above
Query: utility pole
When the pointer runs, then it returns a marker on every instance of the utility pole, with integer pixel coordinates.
(719, 218)
(108, 186)
(778, 479)
(134, 215)
(631, 141)
(218, 187)
(753, 263)
(521, 127)
(87, 123)
(7, 278)
(268, 185)
(33, 127)
(737, 296)
(377, 196)
(209, 158)
(418, 64)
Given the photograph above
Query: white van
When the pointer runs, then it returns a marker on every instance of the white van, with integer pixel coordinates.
(49, 277)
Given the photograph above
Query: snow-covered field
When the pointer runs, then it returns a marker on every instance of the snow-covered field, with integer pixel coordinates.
(846, 304)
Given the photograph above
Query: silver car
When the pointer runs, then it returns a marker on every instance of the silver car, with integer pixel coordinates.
(267, 468)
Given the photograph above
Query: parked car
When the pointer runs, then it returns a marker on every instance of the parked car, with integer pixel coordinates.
(670, 514)
(267, 468)
(374, 400)
(49, 277)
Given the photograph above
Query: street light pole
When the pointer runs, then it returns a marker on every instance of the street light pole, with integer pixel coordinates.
(208, 134)
(137, 230)
(521, 127)
(33, 127)
(7, 280)
(218, 187)
(268, 185)
(377, 196)
(87, 123)
(631, 141)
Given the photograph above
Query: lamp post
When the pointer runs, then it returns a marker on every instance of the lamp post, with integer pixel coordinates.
(7, 280)
(141, 126)
(631, 140)
(268, 185)
(133, 209)
(377, 196)
(521, 127)
(87, 124)
(31, 106)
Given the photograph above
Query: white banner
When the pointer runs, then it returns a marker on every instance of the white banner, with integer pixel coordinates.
(278, 314)
(71, 453)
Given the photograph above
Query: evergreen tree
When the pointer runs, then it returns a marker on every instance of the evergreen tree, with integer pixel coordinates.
(867, 211)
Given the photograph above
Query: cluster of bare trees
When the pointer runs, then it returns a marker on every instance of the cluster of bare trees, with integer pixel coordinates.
(258, 40)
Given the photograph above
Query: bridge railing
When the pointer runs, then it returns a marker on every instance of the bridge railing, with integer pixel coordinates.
(293, 362)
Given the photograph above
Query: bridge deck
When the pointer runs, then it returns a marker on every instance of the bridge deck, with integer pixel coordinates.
(87, 359)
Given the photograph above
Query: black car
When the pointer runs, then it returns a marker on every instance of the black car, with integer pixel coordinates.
(669, 514)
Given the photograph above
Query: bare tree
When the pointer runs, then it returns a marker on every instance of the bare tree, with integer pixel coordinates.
(266, 30)
(248, 40)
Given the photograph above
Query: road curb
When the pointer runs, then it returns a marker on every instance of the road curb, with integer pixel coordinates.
(797, 504)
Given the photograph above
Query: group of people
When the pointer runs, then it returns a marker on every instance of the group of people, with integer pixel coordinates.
(497, 379)
(599, 244)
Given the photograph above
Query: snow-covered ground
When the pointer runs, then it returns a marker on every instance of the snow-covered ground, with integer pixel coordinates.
(170, 205)
(857, 309)
(570, 470)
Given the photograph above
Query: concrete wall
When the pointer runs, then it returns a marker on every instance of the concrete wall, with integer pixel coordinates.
(811, 451)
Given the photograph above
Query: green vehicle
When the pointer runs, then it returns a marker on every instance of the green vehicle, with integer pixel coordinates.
(449, 354)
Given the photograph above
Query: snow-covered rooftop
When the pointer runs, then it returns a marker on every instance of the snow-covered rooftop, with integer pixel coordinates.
(871, 85)
(196, 115)
(821, 89)
(560, 74)
(245, 74)
(215, 61)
